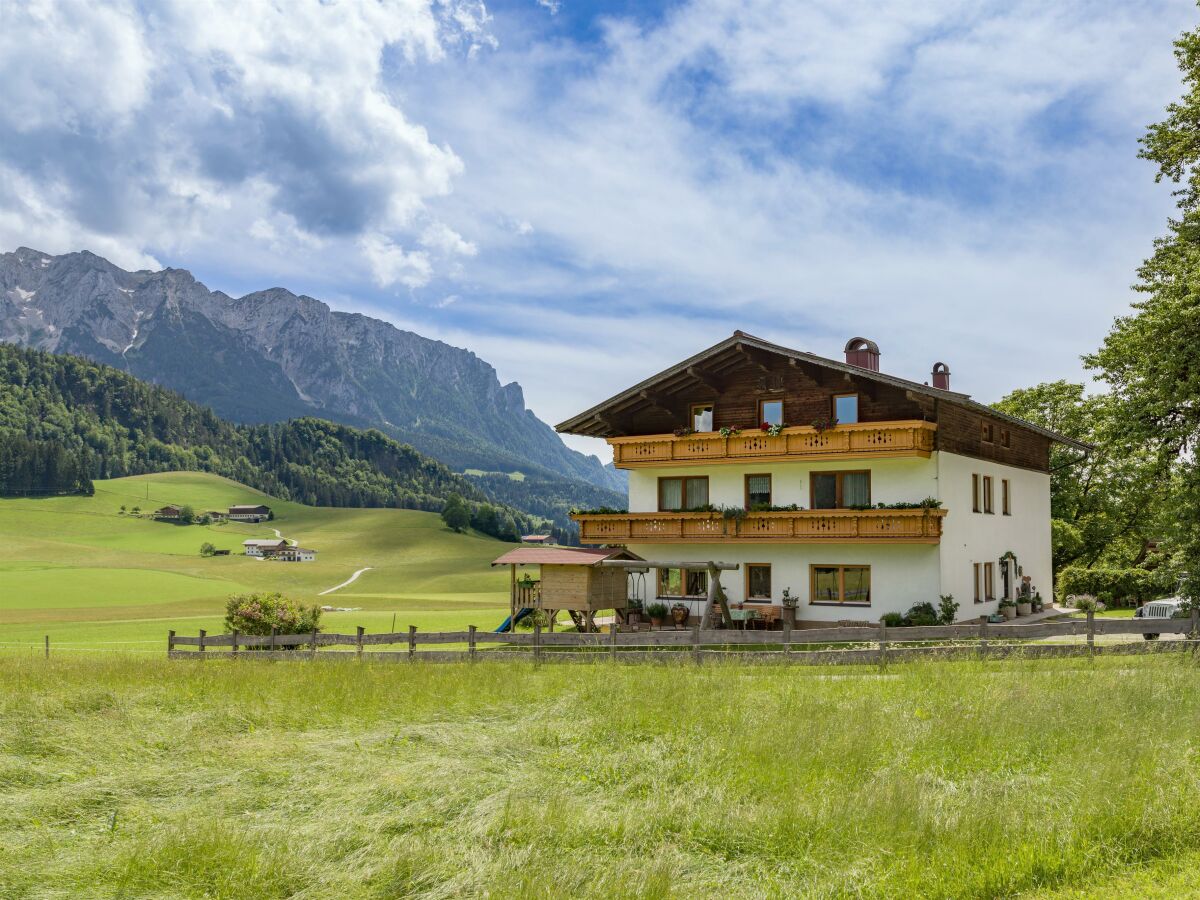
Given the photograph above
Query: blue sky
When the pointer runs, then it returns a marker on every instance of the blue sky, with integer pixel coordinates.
(584, 193)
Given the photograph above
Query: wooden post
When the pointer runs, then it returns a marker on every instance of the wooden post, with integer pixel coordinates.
(235, 642)
(170, 641)
(313, 653)
(883, 644)
(47, 646)
(983, 643)
(537, 638)
(787, 638)
(612, 640)
(696, 644)
(471, 642)
(358, 642)
(274, 632)
(1091, 632)
(1194, 630)
(202, 634)
(412, 641)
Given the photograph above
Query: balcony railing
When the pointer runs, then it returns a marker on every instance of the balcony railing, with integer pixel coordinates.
(858, 441)
(809, 526)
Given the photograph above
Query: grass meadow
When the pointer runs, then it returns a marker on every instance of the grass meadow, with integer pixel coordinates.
(131, 776)
(78, 570)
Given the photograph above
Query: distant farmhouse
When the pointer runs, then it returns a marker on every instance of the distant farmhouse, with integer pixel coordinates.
(540, 540)
(168, 513)
(216, 515)
(277, 548)
(258, 513)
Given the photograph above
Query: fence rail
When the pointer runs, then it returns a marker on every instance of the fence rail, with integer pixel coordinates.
(845, 644)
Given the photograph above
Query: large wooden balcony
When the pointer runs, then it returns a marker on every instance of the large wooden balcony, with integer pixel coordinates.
(803, 442)
(808, 526)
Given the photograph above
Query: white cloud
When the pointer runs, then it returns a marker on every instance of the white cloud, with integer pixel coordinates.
(390, 263)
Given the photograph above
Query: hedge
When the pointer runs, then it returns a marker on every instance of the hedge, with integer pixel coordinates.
(1116, 586)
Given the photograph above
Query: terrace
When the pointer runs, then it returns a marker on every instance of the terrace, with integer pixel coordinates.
(808, 526)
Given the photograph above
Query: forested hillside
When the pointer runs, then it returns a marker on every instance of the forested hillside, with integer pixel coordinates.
(65, 420)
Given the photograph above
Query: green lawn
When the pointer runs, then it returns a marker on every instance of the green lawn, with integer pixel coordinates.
(126, 775)
(78, 570)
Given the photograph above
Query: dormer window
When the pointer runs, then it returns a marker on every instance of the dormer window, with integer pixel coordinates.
(770, 412)
(702, 417)
(845, 408)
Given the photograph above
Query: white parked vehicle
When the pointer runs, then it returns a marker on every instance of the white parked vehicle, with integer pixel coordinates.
(1167, 608)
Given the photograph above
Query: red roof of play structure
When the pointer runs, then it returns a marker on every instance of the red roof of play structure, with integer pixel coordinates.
(560, 556)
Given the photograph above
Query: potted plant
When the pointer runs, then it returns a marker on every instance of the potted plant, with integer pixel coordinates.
(1038, 603)
(1008, 609)
(790, 603)
(730, 431)
(633, 612)
(657, 613)
(1024, 606)
(679, 614)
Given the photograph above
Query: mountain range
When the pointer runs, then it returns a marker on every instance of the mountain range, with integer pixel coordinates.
(274, 355)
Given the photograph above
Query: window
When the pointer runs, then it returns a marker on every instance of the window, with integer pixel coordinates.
(975, 573)
(987, 495)
(679, 494)
(985, 432)
(841, 584)
(770, 412)
(989, 581)
(975, 494)
(845, 408)
(758, 491)
(682, 583)
(1006, 585)
(839, 490)
(702, 417)
(1005, 438)
(1005, 497)
(758, 582)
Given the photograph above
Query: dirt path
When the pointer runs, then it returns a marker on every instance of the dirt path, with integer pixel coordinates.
(353, 578)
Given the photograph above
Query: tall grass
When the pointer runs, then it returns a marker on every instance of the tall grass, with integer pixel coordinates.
(133, 777)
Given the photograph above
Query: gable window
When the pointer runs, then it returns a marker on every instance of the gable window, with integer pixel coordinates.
(758, 582)
(679, 494)
(839, 490)
(682, 583)
(758, 491)
(770, 412)
(975, 507)
(987, 495)
(975, 581)
(841, 584)
(985, 432)
(1005, 437)
(702, 417)
(845, 408)
(989, 581)
(1005, 497)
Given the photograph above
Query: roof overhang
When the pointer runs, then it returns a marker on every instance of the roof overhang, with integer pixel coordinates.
(742, 348)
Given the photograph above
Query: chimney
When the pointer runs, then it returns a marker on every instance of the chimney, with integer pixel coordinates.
(941, 376)
(862, 353)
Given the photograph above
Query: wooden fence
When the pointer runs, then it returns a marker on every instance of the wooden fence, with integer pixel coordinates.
(851, 644)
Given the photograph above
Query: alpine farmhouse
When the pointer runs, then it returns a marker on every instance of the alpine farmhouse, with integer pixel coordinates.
(858, 492)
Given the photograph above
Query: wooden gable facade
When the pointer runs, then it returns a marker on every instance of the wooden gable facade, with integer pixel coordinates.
(737, 375)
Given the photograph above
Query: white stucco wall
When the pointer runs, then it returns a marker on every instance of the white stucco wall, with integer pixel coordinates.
(892, 481)
(969, 537)
(900, 575)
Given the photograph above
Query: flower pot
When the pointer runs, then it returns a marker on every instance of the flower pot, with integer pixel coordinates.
(1024, 609)
(633, 617)
(655, 622)
(679, 615)
(789, 617)
(1009, 612)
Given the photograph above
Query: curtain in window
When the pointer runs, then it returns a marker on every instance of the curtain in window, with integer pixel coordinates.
(856, 489)
(697, 584)
(671, 493)
(760, 582)
(697, 492)
(702, 418)
(758, 489)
